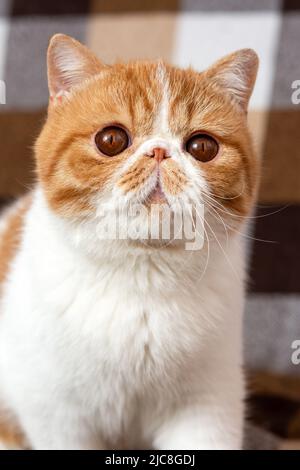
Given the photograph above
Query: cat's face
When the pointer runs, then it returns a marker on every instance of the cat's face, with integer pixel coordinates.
(146, 133)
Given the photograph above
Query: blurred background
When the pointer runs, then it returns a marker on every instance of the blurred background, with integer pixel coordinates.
(191, 32)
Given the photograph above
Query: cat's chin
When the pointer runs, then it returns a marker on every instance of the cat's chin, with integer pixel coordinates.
(154, 244)
(156, 196)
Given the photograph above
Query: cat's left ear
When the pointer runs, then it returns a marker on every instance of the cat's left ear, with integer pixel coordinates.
(236, 74)
(69, 64)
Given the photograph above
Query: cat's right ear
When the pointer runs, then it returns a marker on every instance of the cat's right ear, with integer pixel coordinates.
(69, 64)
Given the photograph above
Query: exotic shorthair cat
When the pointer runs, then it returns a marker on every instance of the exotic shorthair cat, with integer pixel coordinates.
(122, 343)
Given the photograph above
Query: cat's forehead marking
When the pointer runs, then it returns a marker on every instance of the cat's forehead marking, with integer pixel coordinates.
(161, 123)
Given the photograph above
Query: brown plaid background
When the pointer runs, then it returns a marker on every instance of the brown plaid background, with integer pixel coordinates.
(187, 32)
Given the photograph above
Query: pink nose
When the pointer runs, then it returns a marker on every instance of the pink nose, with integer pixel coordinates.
(159, 154)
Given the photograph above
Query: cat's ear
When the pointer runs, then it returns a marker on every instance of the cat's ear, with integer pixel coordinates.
(235, 74)
(69, 64)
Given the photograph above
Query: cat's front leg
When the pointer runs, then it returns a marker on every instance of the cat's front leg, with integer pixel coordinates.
(200, 428)
(59, 429)
(211, 415)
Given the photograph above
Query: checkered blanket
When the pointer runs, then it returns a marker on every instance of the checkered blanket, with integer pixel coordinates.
(187, 32)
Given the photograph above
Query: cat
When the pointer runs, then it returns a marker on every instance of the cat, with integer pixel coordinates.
(132, 343)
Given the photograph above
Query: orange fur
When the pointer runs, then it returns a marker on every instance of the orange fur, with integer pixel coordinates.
(233, 175)
(137, 174)
(11, 434)
(125, 94)
(11, 236)
(174, 180)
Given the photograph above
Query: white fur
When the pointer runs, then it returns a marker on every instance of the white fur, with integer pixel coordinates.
(109, 345)
(161, 125)
(99, 352)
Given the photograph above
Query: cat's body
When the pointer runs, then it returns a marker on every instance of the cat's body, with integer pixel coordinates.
(114, 343)
(123, 347)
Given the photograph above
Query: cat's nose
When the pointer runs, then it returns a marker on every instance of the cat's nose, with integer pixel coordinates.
(159, 154)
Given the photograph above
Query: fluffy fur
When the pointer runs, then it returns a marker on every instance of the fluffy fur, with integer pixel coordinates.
(117, 343)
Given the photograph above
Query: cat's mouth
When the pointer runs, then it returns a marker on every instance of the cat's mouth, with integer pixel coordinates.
(157, 195)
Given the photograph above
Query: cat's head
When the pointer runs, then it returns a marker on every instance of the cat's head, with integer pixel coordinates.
(146, 133)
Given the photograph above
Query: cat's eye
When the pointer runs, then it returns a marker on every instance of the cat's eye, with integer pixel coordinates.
(112, 140)
(202, 147)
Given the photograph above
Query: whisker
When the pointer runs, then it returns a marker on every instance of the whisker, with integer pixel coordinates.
(208, 245)
(230, 198)
(210, 205)
(244, 217)
(221, 218)
(222, 249)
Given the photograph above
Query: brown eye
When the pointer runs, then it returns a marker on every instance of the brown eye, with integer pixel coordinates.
(112, 140)
(202, 147)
